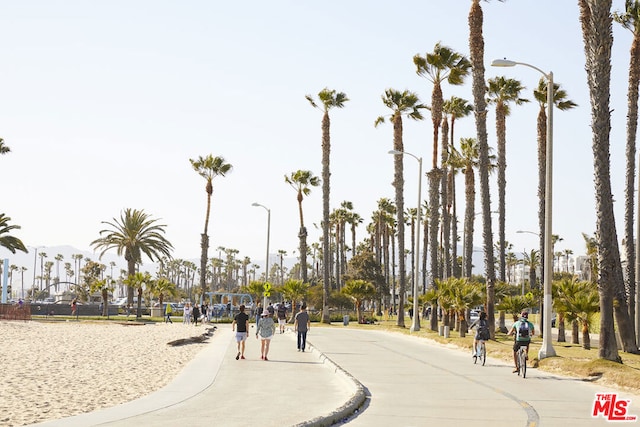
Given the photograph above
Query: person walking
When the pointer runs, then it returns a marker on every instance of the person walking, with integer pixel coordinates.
(167, 311)
(186, 315)
(74, 306)
(282, 316)
(241, 320)
(258, 312)
(271, 310)
(196, 314)
(302, 325)
(266, 328)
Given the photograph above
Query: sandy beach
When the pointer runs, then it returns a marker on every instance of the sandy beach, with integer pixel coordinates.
(57, 369)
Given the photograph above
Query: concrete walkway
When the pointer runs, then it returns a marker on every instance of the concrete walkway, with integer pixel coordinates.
(291, 388)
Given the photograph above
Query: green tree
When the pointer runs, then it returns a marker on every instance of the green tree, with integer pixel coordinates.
(302, 181)
(597, 34)
(296, 291)
(456, 108)
(478, 86)
(630, 20)
(401, 103)
(501, 92)
(163, 287)
(8, 241)
(328, 99)
(208, 167)
(443, 64)
(134, 234)
(139, 281)
(359, 291)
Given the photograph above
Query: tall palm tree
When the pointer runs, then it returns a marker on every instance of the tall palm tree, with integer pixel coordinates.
(456, 108)
(443, 64)
(468, 159)
(596, 21)
(328, 99)
(134, 234)
(302, 181)
(208, 167)
(476, 49)
(7, 241)
(401, 103)
(630, 19)
(501, 92)
(560, 102)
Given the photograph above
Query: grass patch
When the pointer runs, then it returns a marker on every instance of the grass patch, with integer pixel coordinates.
(571, 359)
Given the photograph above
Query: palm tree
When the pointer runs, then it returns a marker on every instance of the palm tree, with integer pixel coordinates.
(294, 290)
(401, 103)
(561, 103)
(7, 241)
(360, 291)
(4, 149)
(468, 159)
(329, 99)
(302, 181)
(440, 65)
(501, 92)
(630, 19)
(164, 287)
(456, 108)
(476, 49)
(208, 167)
(134, 234)
(138, 281)
(595, 17)
(532, 260)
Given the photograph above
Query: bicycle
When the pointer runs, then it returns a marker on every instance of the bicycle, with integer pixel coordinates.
(522, 361)
(481, 352)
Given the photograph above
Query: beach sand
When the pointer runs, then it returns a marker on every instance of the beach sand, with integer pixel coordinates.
(52, 370)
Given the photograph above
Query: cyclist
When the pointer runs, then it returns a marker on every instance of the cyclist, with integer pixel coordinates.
(523, 331)
(482, 331)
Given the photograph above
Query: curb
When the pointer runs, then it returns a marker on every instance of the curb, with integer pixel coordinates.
(344, 411)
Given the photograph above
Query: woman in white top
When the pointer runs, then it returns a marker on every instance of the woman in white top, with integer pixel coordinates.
(266, 328)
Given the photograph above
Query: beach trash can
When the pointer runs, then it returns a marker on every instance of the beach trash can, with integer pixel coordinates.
(345, 320)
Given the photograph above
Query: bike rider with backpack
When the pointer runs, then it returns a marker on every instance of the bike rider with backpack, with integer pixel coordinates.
(482, 331)
(523, 330)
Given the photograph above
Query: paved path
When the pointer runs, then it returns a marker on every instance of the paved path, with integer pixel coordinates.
(416, 382)
(392, 379)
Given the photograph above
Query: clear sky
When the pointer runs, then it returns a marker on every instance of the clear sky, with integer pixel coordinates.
(104, 103)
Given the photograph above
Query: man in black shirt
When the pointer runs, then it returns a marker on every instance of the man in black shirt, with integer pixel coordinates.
(242, 320)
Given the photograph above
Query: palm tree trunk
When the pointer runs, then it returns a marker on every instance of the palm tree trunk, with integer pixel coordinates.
(398, 183)
(326, 250)
(434, 177)
(596, 30)
(476, 47)
(560, 325)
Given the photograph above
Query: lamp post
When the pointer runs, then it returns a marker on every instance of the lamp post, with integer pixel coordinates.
(266, 265)
(546, 350)
(415, 325)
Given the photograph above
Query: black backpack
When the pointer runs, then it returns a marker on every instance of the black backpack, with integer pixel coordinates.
(523, 329)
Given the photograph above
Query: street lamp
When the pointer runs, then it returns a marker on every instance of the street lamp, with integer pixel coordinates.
(415, 325)
(266, 266)
(547, 349)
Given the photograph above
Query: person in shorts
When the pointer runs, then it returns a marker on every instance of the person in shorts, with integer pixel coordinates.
(266, 328)
(523, 331)
(282, 316)
(241, 320)
(482, 331)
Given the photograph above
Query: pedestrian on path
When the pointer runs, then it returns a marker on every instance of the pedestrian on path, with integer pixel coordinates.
(302, 325)
(241, 320)
(196, 314)
(186, 315)
(266, 328)
(167, 311)
(282, 316)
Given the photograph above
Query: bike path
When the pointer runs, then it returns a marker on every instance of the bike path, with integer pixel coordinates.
(414, 381)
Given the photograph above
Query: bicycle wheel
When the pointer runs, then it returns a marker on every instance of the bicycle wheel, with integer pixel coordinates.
(524, 364)
(483, 353)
